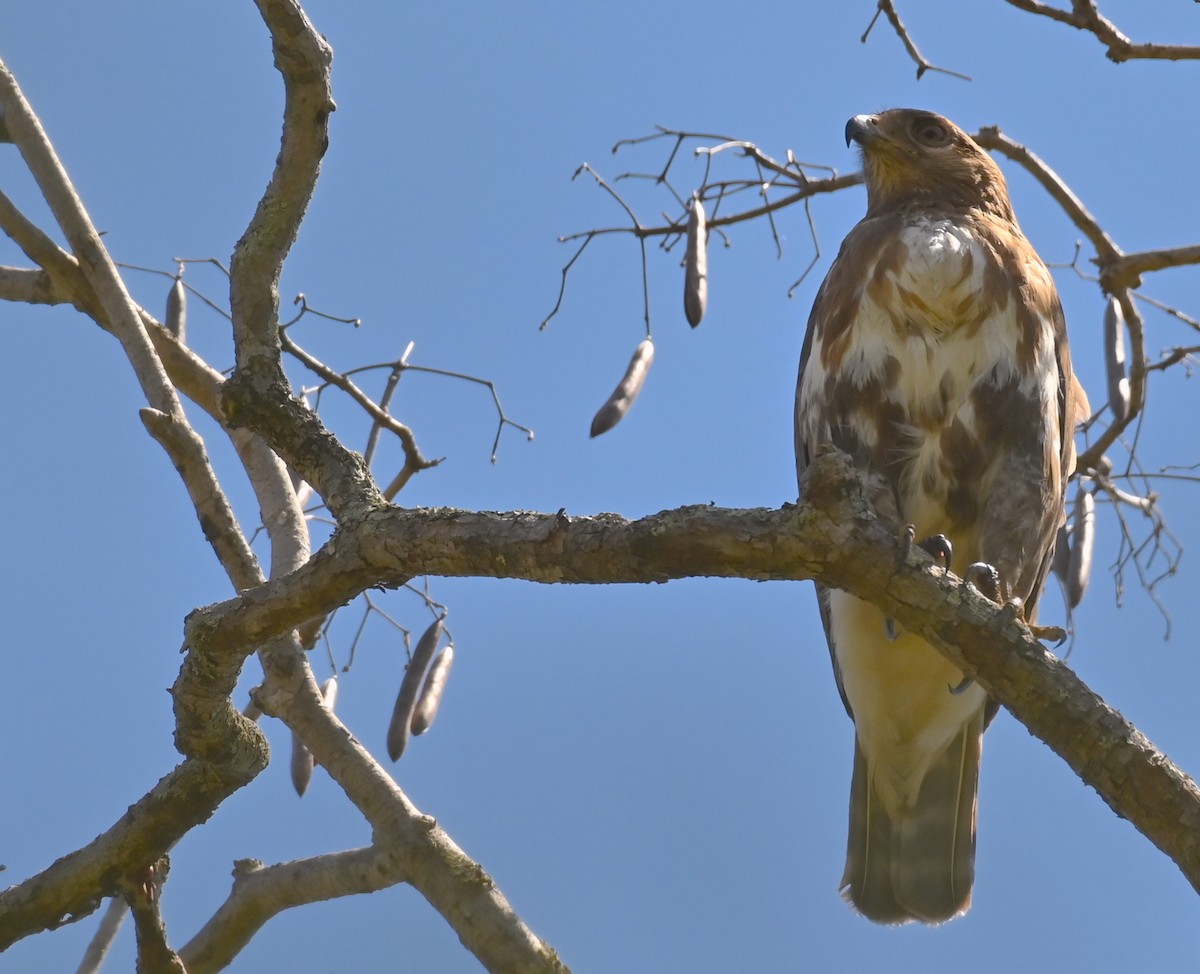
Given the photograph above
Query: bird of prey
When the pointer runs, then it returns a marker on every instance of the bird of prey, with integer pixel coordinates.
(936, 356)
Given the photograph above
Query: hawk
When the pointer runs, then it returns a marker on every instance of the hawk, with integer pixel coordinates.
(936, 356)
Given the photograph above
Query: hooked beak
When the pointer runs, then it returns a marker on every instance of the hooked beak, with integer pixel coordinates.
(862, 129)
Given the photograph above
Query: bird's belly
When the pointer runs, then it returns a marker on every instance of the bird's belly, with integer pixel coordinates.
(899, 692)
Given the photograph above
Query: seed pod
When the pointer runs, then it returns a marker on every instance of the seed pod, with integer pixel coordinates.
(431, 692)
(1062, 553)
(1083, 542)
(302, 765)
(251, 711)
(329, 692)
(406, 699)
(176, 320)
(695, 265)
(613, 411)
(1114, 358)
(302, 759)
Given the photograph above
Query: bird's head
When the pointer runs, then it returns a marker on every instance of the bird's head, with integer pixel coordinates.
(916, 158)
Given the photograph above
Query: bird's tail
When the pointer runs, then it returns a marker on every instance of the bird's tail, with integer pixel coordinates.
(917, 864)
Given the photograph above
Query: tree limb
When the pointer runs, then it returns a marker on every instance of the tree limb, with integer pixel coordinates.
(303, 58)
(831, 535)
(1085, 15)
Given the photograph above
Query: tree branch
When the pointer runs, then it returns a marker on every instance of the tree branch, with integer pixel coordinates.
(257, 396)
(1085, 15)
(832, 536)
(28, 286)
(888, 9)
(303, 59)
(262, 892)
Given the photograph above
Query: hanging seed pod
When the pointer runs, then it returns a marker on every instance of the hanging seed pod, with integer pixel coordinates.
(613, 411)
(431, 692)
(1062, 553)
(1083, 542)
(302, 765)
(695, 265)
(329, 692)
(1114, 359)
(302, 759)
(406, 699)
(176, 319)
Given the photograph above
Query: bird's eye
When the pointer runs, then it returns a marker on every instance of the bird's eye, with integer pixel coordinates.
(931, 133)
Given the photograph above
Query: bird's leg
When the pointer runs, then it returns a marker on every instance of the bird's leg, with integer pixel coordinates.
(907, 533)
(986, 580)
(937, 546)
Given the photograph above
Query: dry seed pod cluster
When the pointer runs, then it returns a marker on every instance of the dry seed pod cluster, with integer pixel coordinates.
(1114, 359)
(176, 318)
(1083, 543)
(613, 411)
(410, 686)
(302, 759)
(431, 692)
(695, 265)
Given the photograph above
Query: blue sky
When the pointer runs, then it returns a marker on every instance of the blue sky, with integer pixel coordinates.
(657, 777)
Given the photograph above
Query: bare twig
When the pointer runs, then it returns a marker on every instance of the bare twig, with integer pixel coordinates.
(796, 185)
(1158, 545)
(887, 8)
(1174, 357)
(412, 450)
(1085, 15)
(641, 238)
(488, 384)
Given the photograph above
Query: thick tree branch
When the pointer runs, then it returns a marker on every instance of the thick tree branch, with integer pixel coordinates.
(257, 396)
(28, 285)
(74, 885)
(303, 58)
(832, 536)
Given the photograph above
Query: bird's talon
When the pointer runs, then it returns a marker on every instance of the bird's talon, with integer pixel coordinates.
(961, 687)
(890, 629)
(1055, 634)
(939, 548)
(907, 534)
